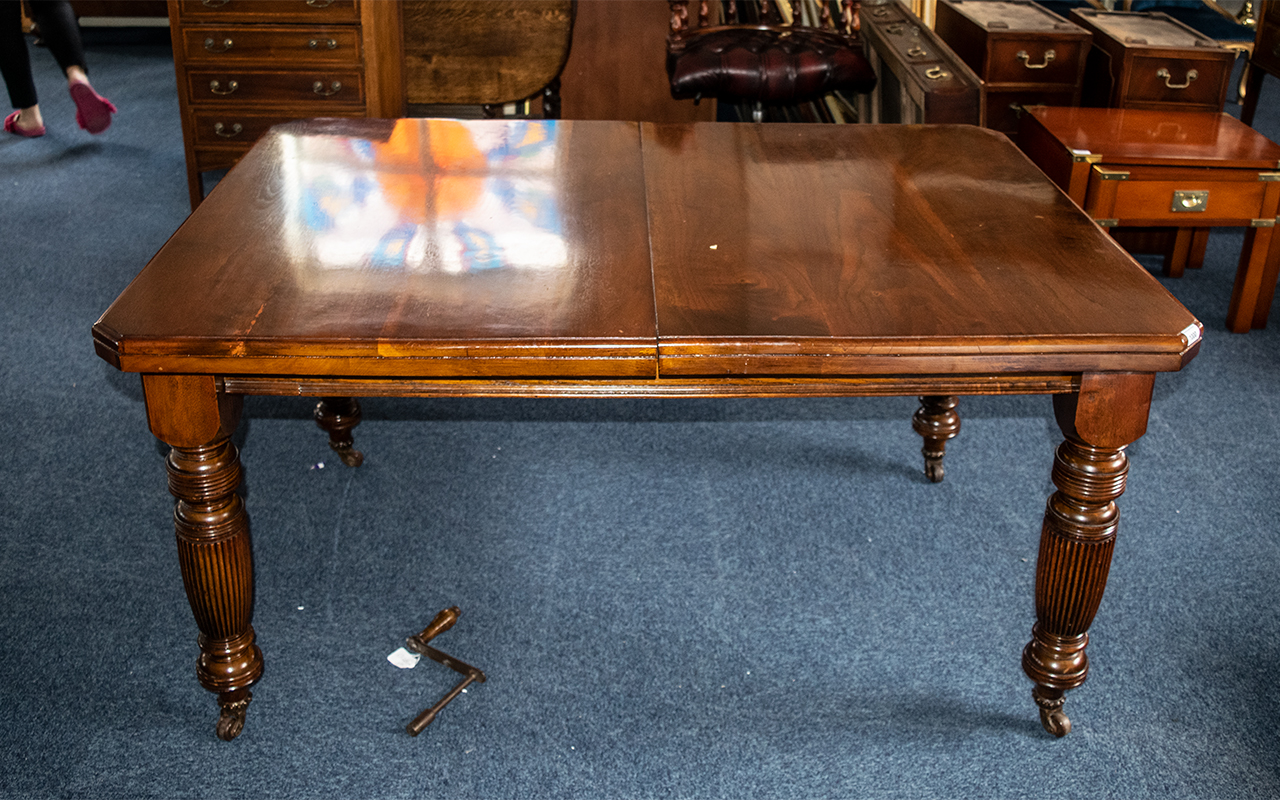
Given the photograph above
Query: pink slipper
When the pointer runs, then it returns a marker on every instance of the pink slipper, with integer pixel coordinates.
(11, 125)
(93, 111)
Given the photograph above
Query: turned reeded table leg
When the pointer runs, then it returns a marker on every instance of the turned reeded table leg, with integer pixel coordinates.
(338, 415)
(212, 534)
(217, 572)
(1079, 532)
(937, 421)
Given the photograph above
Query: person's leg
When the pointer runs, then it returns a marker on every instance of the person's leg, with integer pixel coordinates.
(61, 33)
(15, 66)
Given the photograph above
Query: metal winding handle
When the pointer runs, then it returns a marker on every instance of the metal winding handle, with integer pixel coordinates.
(334, 88)
(1164, 73)
(216, 87)
(1025, 58)
(210, 45)
(221, 130)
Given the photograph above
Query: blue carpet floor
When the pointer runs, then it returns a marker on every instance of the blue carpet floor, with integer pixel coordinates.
(696, 599)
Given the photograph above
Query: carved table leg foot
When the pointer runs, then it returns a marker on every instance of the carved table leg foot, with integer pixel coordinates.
(234, 707)
(937, 421)
(1052, 717)
(338, 415)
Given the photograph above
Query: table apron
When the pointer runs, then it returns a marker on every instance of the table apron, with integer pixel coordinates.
(668, 388)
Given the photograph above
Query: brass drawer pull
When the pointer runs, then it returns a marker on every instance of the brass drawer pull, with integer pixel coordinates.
(1025, 58)
(214, 3)
(334, 88)
(1164, 73)
(216, 87)
(314, 44)
(221, 130)
(1189, 201)
(211, 45)
(917, 51)
(896, 28)
(936, 74)
(319, 3)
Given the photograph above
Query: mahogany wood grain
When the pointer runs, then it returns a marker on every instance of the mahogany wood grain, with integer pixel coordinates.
(879, 249)
(349, 258)
(483, 51)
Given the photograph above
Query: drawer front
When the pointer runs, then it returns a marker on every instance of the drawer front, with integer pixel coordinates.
(883, 13)
(264, 44)
(1004, 110)
(1176, 81)
(1199, 201)
(1040, 60)
(208, 159)
(225, 11)
(230, 127)
(318, 89)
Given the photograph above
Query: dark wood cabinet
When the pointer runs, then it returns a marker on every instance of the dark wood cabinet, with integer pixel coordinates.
(244, 66)
(919, 78)
(1024, 54)
(1151, 60)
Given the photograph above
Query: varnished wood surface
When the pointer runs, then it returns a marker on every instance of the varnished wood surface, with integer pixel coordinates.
(1164, 138)
(418, 247)
(483, 51)
(599, 248)
(874, 249)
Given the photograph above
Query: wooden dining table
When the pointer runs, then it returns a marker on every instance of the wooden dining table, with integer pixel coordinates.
(352, 258)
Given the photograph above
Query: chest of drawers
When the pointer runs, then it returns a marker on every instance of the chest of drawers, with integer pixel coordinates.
(1024, 54)
(1150, 60)
(919, 79)
(245, 65)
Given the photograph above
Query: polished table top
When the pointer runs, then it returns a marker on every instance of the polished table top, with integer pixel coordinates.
(452, 249)
(1163, 137)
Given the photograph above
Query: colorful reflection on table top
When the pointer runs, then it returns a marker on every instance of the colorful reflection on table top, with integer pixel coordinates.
(437, 196)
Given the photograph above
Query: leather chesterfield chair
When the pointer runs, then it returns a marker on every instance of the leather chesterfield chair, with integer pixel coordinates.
(772, 60)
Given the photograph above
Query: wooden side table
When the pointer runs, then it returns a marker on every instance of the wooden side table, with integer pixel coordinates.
(1187, 170)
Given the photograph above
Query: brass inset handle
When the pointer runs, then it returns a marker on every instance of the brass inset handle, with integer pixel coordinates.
(211, 45)
(215, 3)
(1025, 58)
(917, 51)
(896, 28)
(319, 3)
(221, 130)
(314, 44)
(216, 87)
(936, 74)
(334, 88)
(1164, 73)
(1188, 200)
